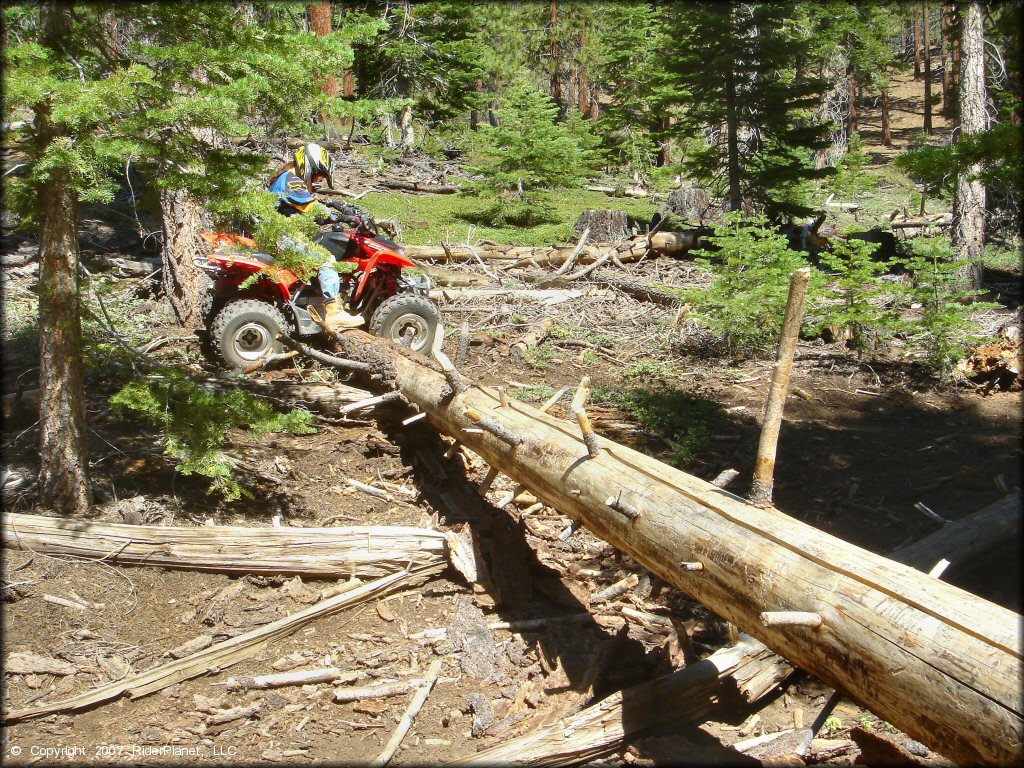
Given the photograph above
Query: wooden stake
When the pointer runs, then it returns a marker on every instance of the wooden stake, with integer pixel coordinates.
(493, 426)
(691, 566)
(764, 466)
(791, 619)
(492, 473)
(567, 264)
(616, 503)
(303, 677)
(462, 350)
(410, 714)
(552, 400)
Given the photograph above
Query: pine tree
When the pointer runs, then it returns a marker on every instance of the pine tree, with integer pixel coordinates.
(734, 73)
(632, 71)
(152, 98)
(526, 155)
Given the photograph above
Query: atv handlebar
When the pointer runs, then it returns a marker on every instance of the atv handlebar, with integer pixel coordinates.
(354, 216)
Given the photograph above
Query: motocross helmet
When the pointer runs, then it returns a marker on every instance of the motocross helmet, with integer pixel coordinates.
(312, 162)
(292, 194)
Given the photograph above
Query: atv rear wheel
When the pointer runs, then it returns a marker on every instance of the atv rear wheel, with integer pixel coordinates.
(245, 331)
(407, 313)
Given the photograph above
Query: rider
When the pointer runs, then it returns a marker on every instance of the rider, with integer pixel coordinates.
(313, 163)
(294, 195)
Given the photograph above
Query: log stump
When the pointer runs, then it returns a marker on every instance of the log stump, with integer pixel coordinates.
(605, 226)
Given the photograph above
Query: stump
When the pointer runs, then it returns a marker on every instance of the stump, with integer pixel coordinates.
(605, 226)
(690, 204)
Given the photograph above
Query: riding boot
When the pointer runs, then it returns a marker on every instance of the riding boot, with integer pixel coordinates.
(337, 318)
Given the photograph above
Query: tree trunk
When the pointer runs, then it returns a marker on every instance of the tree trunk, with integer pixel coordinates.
(584, 102)
(408, 134)
(183, 281)
(939, 663)
(969, 196)
(732, 139)
(886, 129)
(320, 25)
(917, 42)
(954, 71)
(664, 158)
(474, 114)
(947, 64)
(63, 463)
(927, 71)
(556, 84)
(595, 106)
(851, 122)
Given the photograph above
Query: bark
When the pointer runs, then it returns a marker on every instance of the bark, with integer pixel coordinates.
(474, 114)
(935, 661)
(917, 42)
(663, 150)
(764, 466)
(63, 462)
(320, 25)
(556, 84)
(886, 129)
(965, 540)
(732, 133)
(927, 72)
(183, 281)
(947, 64)
(851, 122)
(364, 551)
(408, 134)
(969, 195)
(595, 105)
(584, 102)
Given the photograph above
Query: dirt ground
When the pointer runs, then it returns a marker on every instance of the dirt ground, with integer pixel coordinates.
(861, 445)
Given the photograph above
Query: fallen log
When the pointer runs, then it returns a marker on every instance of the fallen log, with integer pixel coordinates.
(229, 652)
(749, 669)
(935, 661)
(415, 186)
(361, 551)
(631, 250)
(674, 242)
(966, 539)
(329, 400)
(548, 296)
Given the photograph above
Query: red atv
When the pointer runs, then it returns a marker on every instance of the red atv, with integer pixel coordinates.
(243, 323)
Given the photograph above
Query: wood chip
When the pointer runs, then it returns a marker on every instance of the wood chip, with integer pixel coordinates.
(28, 663)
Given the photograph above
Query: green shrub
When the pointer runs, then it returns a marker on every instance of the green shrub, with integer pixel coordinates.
(684, 420)
(746, 300)
(195, 421)
(944, 328)
(855, 296)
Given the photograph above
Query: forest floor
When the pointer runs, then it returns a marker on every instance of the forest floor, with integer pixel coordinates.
(859, 448)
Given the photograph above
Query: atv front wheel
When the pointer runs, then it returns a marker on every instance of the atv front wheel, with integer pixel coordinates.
(404, 313)
(246, 330)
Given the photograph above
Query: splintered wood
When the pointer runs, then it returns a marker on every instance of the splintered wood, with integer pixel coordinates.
(230, 651)
(363, 551)
(685, 695)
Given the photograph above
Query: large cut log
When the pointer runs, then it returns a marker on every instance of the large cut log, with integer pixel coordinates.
(363, 551)
(939, 663)
(964, 540)
(748, 669)
(674, 242)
